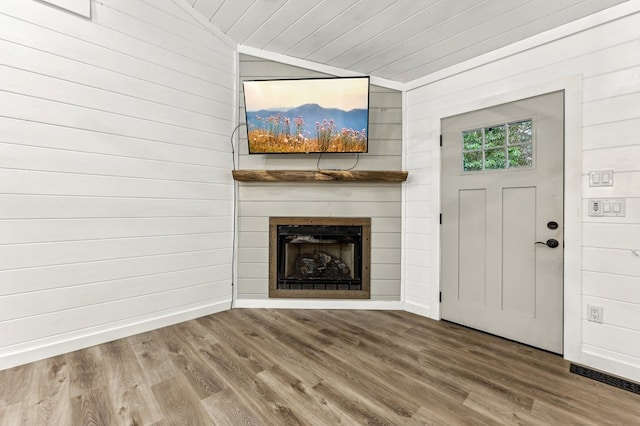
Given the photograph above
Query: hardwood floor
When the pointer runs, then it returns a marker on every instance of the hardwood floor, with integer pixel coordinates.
(281, 367)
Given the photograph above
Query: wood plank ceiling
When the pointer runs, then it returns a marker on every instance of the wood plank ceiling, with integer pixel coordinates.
(399, 40)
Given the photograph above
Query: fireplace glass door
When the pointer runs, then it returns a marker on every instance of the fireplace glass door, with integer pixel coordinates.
(319, 257)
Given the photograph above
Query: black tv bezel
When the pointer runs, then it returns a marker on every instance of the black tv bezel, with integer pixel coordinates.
(368, 78)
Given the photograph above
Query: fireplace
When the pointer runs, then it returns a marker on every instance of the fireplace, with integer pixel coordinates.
(319, 257)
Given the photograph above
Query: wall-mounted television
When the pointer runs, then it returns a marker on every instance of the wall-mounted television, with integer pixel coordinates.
(310, 115)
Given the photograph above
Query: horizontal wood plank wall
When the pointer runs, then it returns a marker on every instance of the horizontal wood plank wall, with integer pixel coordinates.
(381, 202)
(608, 59)
(115, 173)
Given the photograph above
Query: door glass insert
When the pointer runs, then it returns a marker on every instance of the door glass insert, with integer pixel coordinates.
(498, 147)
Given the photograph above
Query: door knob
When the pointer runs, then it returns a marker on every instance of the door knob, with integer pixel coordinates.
(552, 243)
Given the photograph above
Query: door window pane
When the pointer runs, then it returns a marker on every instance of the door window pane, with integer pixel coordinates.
(520, 132)
(472, 161)
(495, 136)
(472, 140)
(498, 147)
(520, 156)
(494, 159)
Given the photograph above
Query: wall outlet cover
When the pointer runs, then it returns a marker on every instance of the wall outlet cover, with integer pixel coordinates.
(594, 313)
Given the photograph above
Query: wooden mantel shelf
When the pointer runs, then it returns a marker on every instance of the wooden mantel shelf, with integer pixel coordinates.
(389, 176)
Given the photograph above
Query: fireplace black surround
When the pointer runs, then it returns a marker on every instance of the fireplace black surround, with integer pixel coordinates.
(319, 257)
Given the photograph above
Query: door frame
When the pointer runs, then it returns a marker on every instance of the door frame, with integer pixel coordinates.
(572, 87)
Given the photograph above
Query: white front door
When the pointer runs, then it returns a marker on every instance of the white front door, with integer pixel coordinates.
(502, 202)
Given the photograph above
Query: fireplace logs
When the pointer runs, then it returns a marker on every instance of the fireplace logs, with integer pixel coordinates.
(320, 265)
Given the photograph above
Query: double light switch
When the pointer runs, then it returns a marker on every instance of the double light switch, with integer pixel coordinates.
(601, 178)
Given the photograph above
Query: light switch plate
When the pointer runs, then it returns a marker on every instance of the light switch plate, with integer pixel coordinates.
(610, 207)
(601, 178)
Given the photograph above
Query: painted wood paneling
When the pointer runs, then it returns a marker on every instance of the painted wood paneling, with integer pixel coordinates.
(81, 7)
(604, 60)
(600, 136)
(394, 40)
(382, 202)
(82, 273)
(601, 285)
(122, 61)
(116, 197)
(80, 229)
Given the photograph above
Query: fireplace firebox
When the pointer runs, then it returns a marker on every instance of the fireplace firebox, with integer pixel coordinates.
(321, 257)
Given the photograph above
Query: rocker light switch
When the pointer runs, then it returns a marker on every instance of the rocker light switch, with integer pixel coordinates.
(612, 207)
(601, 178)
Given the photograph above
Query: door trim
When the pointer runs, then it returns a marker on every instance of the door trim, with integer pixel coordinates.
(572, 87)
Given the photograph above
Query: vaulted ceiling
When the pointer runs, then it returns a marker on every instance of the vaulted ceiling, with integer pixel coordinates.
(399, 40)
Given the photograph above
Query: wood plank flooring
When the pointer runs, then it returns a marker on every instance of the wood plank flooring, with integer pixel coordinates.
(308, 367)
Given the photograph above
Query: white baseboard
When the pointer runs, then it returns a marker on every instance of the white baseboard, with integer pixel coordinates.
(25, 353)
(610, 362)
(318, 304)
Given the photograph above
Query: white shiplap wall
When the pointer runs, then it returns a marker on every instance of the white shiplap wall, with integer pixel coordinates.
(116, 193)
(599, 66)
(382, 202)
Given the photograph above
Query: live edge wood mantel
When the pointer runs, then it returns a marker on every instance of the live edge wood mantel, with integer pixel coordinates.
(390, 176)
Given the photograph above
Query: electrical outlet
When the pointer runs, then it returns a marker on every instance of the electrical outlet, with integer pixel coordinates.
(594, 313)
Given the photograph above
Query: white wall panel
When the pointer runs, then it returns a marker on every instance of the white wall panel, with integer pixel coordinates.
(64, 183)
(136, 42)
(102, 292)
(65, 161)
(615, 83)
(120, 60)
(36, 206)
(380, 202)
(611, 235)
(619, 338)
(81, 273)
(614, 287)
(620, 159)
(53, 112)
(36, 85)
(78, 229)
(80, 140)
(159, 34)
(103, 80)
(22, 329)
(81, 7)
(601, 136)
(170, 17)
(598, 67)
(116, 197)
(322, 207)
(60, 253)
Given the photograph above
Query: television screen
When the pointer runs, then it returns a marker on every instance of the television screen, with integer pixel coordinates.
(307, 115)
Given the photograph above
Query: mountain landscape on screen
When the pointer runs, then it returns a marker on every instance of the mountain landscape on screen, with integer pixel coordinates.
(307, 128)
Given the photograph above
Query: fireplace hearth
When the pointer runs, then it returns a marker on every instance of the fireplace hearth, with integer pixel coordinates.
(319, 257)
